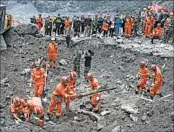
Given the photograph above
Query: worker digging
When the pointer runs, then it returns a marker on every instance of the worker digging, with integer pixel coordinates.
(88, 71)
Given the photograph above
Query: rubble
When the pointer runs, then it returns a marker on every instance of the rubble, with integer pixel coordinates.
(129, 109)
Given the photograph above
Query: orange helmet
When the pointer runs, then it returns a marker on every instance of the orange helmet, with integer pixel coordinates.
(64, 79)
(143, 63)
(73, 75)
(153, 66)
(37, 109)
(90, 75)
(16, 100)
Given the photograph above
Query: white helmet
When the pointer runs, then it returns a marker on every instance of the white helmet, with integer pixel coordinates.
(53, 39)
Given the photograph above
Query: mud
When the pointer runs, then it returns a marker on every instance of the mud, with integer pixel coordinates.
(112, 65)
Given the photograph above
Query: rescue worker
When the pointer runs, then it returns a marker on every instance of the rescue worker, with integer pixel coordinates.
(71, 88)
(76, 27)
(94, 25)
(58, 96)
(67, 25)
(158, 82)
(157, 33)
(142, 16)
(57, 23)
(128, 27)
(119, 26)
(77, 57)
(52, 52)
(17, 108)
(34, 106)
(39, 22)
(33, 20)
(105, 28)
(88, 57)
(135, 26)
(38, 76)
(149, 23)
(62, 27)
(95, 97)
(144, 77)
(68, 40)
(100, 22)
(112, 28)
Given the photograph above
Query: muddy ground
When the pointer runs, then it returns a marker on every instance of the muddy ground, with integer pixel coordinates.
(111, 65)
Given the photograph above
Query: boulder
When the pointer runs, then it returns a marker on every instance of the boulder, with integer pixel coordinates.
(3, 44)
(129, 109)
(63, 62)
(117, 129)
(11, 37)
(26, 29)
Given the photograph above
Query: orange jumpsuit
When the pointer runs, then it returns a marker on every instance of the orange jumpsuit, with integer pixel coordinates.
(128, 27)
(105, 27)
(158, 82)
(39, 23)
(71, 91)
(52, 52)
(38, 78)
(149, 23)
(96, 97)
(35, 102)
(144, 74)
(16, 109)
(157, 32)
(57, 98)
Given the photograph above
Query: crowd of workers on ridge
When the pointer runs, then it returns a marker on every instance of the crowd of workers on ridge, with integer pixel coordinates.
(154, 25)
(65, 91)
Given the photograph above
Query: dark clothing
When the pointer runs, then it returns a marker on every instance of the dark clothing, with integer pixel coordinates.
(88, 22)
(82, 24)
(58, 22)
(62, 27)
(88, 58)
(76, 27)
(48, 28)
(68, 39)
(33, 20)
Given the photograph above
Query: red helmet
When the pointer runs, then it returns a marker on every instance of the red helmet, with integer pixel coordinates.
(143, 63)
(153, 66)
(64, 79)
(90, 75)
(73, 75)
(37, 109)
(16, 100)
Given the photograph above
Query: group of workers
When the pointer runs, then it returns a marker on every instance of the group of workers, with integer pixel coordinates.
(154, 25)
(144, 76)
(65, 91)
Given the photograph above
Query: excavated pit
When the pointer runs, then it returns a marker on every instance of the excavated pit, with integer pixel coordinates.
(112, 64)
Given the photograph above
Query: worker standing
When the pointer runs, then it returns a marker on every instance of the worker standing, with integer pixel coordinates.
(128, 27)
(16, 108)
(71, 88)
(158, 82)
(95, 97)
(52, 51)
(77, 58)
(34, 106)
(149, 23)
(39, 22)
(105, 28)
(58, 96)
(38, 76)
(144, 76)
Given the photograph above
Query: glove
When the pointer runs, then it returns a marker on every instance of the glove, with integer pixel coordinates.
(30, 84)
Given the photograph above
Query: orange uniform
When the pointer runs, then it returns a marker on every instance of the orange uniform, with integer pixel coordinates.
(158, 82)
(149, 23)
(71, 91)
(16, 109)
(105, 27)
(67, 23)
(52, 52)
(96, 97)
(32, 104)
(128, 27)
(57, 98)
(38, 78)
(157, 32)
(144, 74)
(39, 23)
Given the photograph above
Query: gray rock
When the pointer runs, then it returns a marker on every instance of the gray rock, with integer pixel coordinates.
(144, 118)
(3, 45)
(172, 116)
(103, 113)
(129, 109)
(133, 117)
(63, 62)
(5, 80)
(117, 129)
(26, 29)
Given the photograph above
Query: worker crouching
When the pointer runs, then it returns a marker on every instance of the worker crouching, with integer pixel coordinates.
(157, 33)
(95, 97)
(58, 96)
(158, 82)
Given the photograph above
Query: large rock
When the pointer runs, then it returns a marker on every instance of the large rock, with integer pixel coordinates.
(11, 37)
(3, 44)
(26, 29)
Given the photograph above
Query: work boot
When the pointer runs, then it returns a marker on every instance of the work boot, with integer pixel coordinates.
(148, 90)
(151, 97)
(160, 95)
(136, 92)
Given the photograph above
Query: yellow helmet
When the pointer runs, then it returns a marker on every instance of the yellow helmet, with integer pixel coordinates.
(144, 9)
